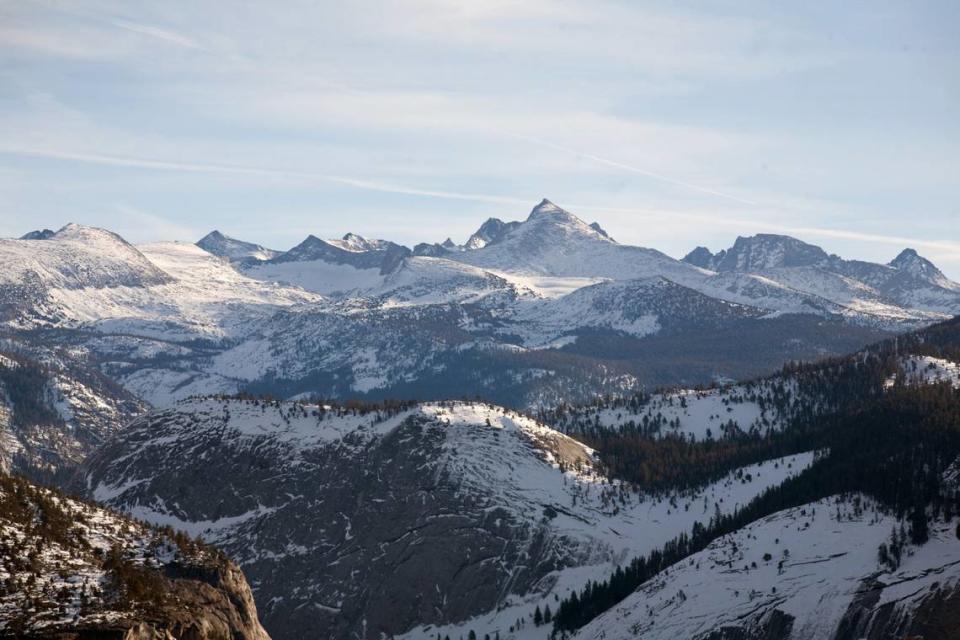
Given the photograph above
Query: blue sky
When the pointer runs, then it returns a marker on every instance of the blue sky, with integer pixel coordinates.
(672, 124)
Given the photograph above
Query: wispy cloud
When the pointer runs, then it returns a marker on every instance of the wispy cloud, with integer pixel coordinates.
(137, 225)
(755, 225)
(317, 109)
(644, 172)
(752, 224)
(193, 167)
(157, 33)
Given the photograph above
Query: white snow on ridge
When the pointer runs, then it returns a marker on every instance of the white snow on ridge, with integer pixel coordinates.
(928, 370)
(318, 276)
(609, 536)
(426, 280)
(76, 257)
(206, 297)
(540, 477)
(818, 556)
(548, 286)
(705, 413)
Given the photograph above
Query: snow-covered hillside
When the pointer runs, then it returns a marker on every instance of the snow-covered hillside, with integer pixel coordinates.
(68, 567)
(808, 572)
(927, 370)
(76, 257)
(632, 307)
(53, 414)
(496, 510)
(578, 313)
(700, 414)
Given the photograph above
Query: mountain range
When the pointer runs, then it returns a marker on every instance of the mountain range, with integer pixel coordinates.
(538, 433)
(523, 313)
(415, 520)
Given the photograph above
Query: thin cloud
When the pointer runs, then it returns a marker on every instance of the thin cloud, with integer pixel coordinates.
(369, 185)
(193, 167)
(137, 224)
(644, 172)
(759, 225)
(157, 33)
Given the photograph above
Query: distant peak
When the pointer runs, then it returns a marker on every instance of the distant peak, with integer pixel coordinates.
(906, 254)
(703, 258)
(74, 230)
(213, 235)
(489, 232)
(38, 234)
(545, 208)
(448, 243)
(912, 262)
(768, 251)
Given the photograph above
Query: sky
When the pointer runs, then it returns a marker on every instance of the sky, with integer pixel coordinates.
(673, 124)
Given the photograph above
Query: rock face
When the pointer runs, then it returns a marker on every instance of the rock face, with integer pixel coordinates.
(233, 249)
(360, 533)
(73, 570)
(355, 523)
(489, 232)
(38, 234)
(931, 615)
(53, 414)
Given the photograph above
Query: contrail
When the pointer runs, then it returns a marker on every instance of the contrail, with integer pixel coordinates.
(632, 169)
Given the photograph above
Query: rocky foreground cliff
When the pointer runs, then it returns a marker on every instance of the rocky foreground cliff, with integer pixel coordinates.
(71, 570)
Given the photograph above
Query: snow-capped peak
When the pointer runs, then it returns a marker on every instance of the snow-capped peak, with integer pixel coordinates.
(356, 242)
(909, 260)
(700, 257)
(913, 264)
(213, 236)
(74, 231)
(547, 208)
(232, 249)
(762, 251)
(548, 213)
(489, 232)
(77, 257)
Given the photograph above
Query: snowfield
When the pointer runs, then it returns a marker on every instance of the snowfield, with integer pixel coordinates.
(317, 276)
(203, 296)
(810, 563)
